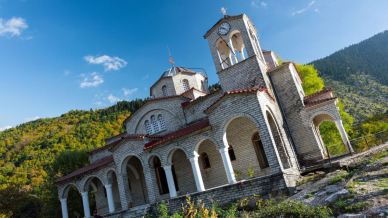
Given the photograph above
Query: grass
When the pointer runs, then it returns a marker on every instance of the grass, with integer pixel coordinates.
(340, 177)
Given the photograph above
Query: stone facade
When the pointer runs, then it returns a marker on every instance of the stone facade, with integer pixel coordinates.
(251, 137)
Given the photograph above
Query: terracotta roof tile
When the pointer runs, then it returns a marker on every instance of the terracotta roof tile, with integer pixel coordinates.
(118, 141)
(193, 127)
(89, 168)
(316, 102)
(326, 90)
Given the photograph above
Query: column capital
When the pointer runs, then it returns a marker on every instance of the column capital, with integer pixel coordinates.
(167, 167)
(194, 158)
(84, 193)
(108, 186)
(63, 200)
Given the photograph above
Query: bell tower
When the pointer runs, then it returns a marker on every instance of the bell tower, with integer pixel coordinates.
(236, 53)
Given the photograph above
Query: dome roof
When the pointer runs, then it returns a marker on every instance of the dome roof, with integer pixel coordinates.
(175, 70)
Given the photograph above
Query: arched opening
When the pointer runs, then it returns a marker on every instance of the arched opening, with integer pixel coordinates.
(328, 135)
(160, 175)
(98, 201)
(224, 54)
(112, 179)
(74, 201)
(280, 146)
(238, 136)
(185, 84)
(238, 46)
(164, 90)
(182, 172)
(211, 164)
(136, 186)
(259, 149)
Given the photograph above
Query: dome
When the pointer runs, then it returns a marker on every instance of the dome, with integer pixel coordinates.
(175, 70)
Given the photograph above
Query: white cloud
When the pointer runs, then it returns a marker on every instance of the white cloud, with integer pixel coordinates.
(113, 99)
(109, 63)
(258, 4)
(5, 128)
(91, 80)
(28, 119)
(128, 92)
(301, 11)
(12, 27)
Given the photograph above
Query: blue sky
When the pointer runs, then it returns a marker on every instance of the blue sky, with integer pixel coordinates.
(61, 55)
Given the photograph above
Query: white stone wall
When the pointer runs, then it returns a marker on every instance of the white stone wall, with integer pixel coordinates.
(156, 89)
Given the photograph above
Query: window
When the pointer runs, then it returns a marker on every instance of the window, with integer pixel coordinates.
(148, 127)
(205, 161)
(260, 154)
(232, 156)
(164, 90)
(161, 122)
(154, 123)
(185, 84)
(203, 86)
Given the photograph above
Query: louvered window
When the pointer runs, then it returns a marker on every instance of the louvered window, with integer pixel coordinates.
(148, 127)
(185, 84)
(154, 124)
(161, 122)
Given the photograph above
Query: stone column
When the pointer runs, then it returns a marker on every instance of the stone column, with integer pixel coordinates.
(344, 135)
(122, 182)
(65, 213)
(85, 202)
(109, 195)
(150, 184)
(227, 165)
(197, 174)
(170, 181)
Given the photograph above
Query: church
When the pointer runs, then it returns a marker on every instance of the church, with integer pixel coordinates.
(255, 135)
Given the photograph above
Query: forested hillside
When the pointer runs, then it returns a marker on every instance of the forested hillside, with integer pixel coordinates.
(359, 76)
(31, 151)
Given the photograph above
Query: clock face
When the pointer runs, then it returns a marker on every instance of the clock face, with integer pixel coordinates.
(224, 28)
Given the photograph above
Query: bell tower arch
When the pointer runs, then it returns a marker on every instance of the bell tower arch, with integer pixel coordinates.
(237, 53)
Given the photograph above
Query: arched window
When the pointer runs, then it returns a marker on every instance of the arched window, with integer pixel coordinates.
(154, 124)
(164, 90)
(161, 122)
(238, 46)
(186, 85)
(205, 161)
(232, 156)
(224, 54)
(148, 127)
(260, 154)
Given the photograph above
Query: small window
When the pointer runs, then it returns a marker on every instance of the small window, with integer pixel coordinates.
(260, 153)
(232, 156)
(205, 161)
(161, 122)
(164, 90)
(154, 123)
(148, 127)
(186, 85)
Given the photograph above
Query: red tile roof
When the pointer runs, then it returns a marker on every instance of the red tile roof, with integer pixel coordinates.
(190, 93)
(89, 168)
(319, 97)
(236, 91)
(316, 102)
(193, 127)
(118, 141)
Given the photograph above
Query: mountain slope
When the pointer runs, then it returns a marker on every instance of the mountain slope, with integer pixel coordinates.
(359, 76)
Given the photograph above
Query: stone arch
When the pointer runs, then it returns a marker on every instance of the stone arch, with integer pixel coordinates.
(86, 180)
(171, 151)
(213, 175)
(238, 45)
(158, 174)
(277, 138)
(323, 116)
(147, 116)
(71, 192)
(112, 180)
(97, 194)
(238, 132)
(224, 54)
(181, 170)
(132, 170)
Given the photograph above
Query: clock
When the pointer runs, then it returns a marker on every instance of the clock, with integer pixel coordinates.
(224, 28)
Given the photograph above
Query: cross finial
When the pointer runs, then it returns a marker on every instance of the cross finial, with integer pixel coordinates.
(170, 59)
(223, 11)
